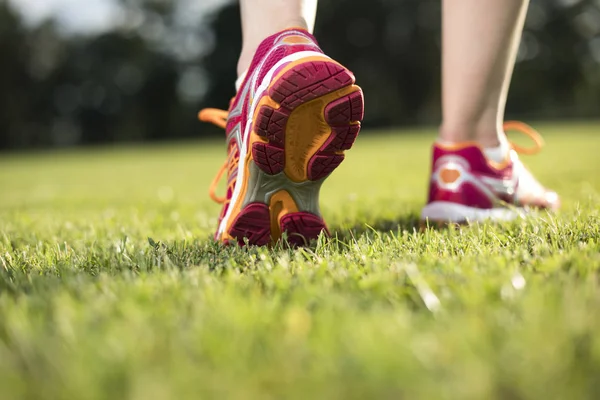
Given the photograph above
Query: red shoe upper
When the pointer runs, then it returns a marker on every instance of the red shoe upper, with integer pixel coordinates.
(462, 174)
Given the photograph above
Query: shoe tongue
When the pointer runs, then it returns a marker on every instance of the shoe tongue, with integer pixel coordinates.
(497, 154)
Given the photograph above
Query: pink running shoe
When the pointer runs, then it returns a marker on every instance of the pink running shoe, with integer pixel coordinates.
(295, 114)
(465, 186)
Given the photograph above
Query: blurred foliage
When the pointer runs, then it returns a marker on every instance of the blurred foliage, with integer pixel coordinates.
(146, 79)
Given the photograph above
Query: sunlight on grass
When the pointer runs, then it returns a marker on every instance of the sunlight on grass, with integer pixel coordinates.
(91, 308)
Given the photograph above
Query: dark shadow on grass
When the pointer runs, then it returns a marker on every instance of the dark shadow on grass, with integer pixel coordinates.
(408, 222)
(99, 260)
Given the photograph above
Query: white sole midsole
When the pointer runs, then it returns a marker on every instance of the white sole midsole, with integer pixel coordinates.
(445, 211)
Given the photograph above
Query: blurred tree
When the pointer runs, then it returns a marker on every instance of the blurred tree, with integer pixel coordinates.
(146, 79)
(15, 83)
(393, 47)
(220, 63)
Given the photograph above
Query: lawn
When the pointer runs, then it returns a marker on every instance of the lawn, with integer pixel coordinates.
(110, 286)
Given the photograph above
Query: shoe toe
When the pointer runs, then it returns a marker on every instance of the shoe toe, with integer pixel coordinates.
(551, 200)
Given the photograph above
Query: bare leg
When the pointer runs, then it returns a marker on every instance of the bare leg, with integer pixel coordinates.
(262, 18)
(480, 43)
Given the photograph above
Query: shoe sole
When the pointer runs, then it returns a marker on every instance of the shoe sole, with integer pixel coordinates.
(440, 213)
(309, 116)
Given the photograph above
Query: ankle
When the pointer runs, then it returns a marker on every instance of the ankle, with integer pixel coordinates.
(244, 62)
(251, 43)
(487, 137)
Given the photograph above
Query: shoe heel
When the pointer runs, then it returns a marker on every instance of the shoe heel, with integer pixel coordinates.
(342, 116)
(253, 226)
(310, 115)
(252, 223)
(301, 228)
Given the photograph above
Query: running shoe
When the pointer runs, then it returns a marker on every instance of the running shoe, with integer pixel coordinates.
(294, 115)
(466, 186)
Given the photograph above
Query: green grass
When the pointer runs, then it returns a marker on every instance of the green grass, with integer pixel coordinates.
(90, 309)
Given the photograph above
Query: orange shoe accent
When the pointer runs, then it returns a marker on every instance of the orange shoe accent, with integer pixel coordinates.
(218, 118)
(237, 206)
(281, 204)
(215, 182)
(296, 40)
(528, 131)
(214, 116)
(306, 132)
(507, 126)
(449, 175)
(500, 165)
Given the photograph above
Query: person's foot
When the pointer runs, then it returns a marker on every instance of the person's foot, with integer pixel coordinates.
(466, 186)
(295, 114)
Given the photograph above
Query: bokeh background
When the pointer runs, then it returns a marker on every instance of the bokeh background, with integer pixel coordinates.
(76, 72)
